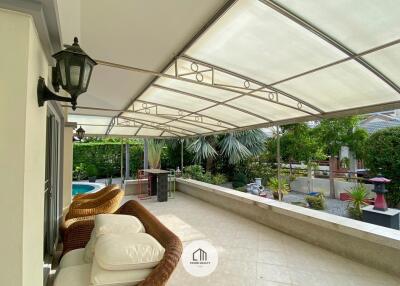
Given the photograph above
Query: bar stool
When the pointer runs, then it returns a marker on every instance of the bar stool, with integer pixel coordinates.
(143, 192)
(171, 183)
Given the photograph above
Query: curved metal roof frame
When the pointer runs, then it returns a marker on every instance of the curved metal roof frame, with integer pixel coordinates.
(188, 77)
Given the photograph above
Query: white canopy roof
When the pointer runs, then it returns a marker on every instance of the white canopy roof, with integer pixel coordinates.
(254, 64)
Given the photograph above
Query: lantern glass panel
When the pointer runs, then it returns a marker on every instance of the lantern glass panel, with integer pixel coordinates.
(62, 72)
(86, 74)
(74, 74)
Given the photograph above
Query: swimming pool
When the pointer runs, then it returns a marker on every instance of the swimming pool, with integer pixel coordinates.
(82, 188)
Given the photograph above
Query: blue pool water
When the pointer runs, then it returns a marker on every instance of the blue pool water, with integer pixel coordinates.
(81, 189)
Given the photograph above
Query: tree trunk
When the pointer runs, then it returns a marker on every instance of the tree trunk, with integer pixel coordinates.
(209, 164)
(309, 176)
(332, 169)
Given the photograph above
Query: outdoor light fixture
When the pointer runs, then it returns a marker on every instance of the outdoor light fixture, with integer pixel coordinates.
(80, 133)
(73, 70)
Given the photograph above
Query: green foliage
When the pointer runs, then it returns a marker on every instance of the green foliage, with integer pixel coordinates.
(196, 172)
(241, 189)
(79, 172)
(256, 168)
(171, 155)
(345, 162)
(316, 202)
(383, 151)
(299, 143)
(332, 134)
(239, 180)
(202, 149)
(219, 179)
(358, 195)
(91, 170)
(106, 157)
(234, 146)
(277, 186)
(155, 148)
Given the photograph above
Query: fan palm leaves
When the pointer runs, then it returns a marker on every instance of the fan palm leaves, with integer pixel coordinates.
(236, 146)
(202, 149)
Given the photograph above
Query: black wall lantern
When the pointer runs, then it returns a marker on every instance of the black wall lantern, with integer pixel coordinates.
(80, 133)
(73, 70)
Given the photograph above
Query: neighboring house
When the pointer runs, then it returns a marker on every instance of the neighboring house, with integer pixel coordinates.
(378, 121)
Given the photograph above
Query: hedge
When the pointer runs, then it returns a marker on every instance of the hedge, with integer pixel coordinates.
(383, 155)
(106, 158)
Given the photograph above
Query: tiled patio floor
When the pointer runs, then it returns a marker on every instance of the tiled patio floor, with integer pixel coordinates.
(253, 254)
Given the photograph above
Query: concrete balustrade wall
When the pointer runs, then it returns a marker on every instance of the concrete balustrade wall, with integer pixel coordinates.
(369, 244)
(131, 187)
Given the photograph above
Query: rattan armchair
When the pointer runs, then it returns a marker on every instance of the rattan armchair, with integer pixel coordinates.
(95, 195)
(107, 203)
(86, 209)
(78, 234)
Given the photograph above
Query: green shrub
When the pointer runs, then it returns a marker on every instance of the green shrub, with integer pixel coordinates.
(239, 180)
(242, 189)
(91, 170)
(255, 169)
(219, 179)
(383, 151)
(106, 157)
(316, 202)
(358, 195)
(206, 178)
(194, 172)
(79, 172)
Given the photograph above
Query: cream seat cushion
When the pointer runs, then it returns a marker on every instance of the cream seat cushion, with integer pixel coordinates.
(116, 223)
(73, 276)
(128, 251)
(102, 277)
(73, 258)
(111, 223)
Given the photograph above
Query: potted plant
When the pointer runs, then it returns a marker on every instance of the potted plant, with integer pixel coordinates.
(358, 196)
(91, 171)
(276, 191)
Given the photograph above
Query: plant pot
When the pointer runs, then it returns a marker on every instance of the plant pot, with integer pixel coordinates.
(275, 195)
(92, 179)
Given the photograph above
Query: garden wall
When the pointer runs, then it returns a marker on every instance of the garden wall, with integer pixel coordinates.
(369, 244)
(300, 184)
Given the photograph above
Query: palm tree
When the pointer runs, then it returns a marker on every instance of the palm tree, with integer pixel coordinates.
(236, 146)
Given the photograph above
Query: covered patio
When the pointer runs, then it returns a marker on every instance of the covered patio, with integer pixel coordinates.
(186, 69)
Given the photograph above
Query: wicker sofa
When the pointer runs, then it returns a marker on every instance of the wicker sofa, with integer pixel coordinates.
(78, 235)
(86, 209)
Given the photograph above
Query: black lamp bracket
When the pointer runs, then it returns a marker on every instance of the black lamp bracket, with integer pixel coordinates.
(44, 94)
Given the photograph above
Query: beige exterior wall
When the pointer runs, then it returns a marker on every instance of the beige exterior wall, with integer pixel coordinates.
(22, 151)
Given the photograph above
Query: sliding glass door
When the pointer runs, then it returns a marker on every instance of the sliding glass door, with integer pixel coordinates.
(51, 190)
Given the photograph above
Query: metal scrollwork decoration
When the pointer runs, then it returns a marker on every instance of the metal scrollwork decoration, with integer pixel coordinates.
(199, 77)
